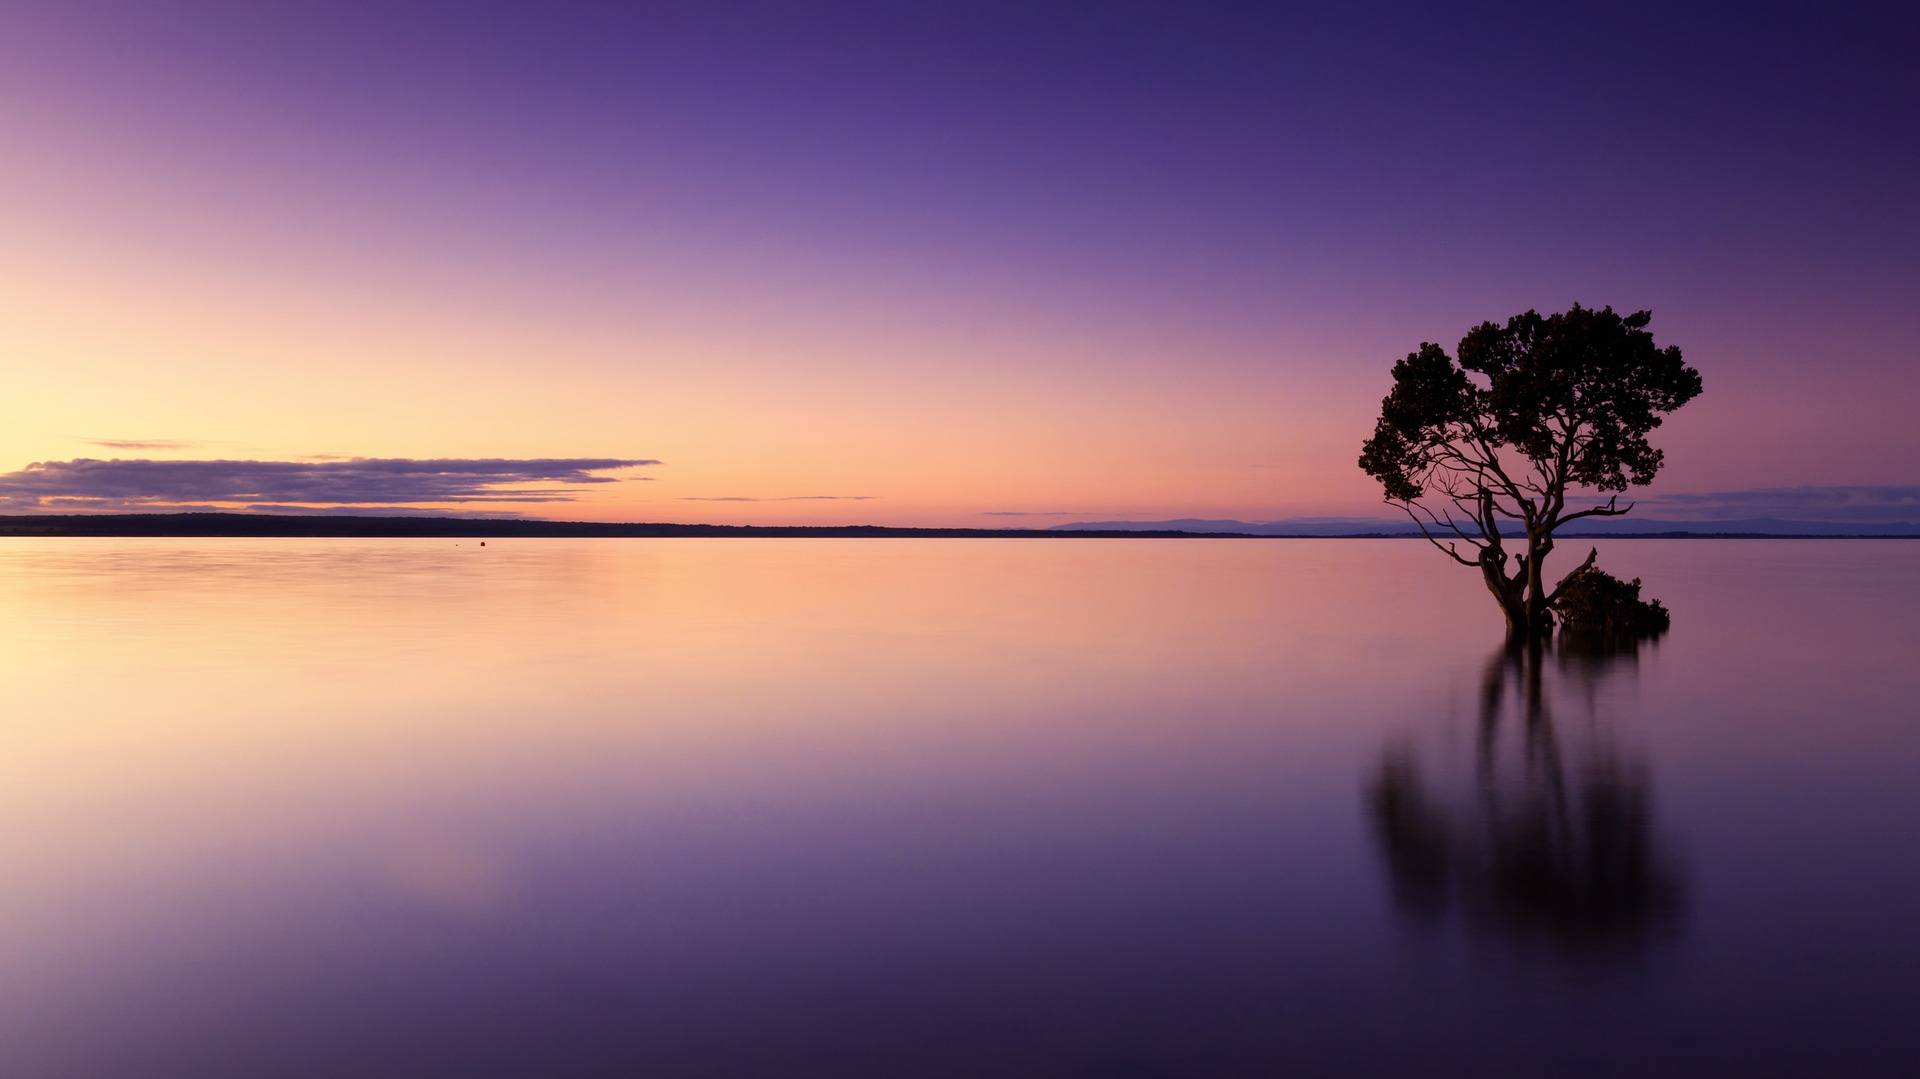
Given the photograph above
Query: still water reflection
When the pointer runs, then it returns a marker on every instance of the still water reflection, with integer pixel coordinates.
(1555, 844)
(687, 807)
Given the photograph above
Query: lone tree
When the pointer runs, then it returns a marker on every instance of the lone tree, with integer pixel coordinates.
(1483, 450)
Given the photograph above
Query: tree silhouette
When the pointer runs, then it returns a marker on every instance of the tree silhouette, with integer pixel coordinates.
(1498, 437)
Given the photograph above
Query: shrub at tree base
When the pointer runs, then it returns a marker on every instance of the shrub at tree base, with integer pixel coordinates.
(1595, 605)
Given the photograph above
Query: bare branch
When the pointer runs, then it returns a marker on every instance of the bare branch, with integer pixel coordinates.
(1607, 510)
(1592, 554)
(1445, 548)
(1446, 522)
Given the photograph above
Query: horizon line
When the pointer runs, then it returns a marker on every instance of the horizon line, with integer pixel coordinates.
(242, 524)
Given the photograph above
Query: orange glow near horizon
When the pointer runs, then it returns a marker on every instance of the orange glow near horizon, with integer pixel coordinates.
(928, 429)
(249, 261)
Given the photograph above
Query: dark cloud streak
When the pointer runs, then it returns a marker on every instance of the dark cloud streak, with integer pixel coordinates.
(362, 481)
(385, 511)
(1859, 504)
(144, 443)
(782, 498)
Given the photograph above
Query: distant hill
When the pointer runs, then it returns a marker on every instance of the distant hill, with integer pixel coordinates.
(1292, 526)
(1755, 526)
(1592, 526)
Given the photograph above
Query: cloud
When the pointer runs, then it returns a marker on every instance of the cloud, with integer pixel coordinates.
(1853, 504)
(379, 511)
(1052, 513)
(361, 481)
(107, 505)
(144, 443)
(782, 498)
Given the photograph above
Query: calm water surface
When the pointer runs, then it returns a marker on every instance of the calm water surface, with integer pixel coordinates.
(931, 808)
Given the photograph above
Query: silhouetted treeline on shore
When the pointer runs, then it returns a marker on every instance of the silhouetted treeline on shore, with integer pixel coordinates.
(373, 526)
(315, 526)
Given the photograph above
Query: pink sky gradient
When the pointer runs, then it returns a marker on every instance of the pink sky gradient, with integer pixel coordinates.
(914, 264)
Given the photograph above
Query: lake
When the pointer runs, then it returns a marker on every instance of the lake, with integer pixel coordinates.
(948, 808)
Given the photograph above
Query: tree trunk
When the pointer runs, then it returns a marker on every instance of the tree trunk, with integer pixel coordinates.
(1511, 594)
(1520, 624)
(1536, 619)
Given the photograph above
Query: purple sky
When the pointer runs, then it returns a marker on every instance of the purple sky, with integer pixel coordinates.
(1151, 258)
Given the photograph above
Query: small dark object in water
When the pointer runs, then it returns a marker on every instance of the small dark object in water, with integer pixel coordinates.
(1595, 605)
(483, 543)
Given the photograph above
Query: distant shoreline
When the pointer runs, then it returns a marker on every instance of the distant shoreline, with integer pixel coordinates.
(299, 526)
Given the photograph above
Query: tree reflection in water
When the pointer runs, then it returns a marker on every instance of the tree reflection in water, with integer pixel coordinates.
(1552, 841)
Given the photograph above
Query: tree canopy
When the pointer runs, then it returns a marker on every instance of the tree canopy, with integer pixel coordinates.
(1497, 435)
